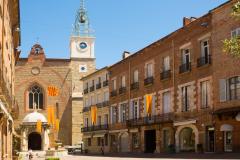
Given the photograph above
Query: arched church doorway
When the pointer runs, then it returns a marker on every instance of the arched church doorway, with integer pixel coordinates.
(34, 141)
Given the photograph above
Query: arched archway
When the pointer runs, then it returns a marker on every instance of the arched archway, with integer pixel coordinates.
(34, 141)
(124, 139)
(181, 132)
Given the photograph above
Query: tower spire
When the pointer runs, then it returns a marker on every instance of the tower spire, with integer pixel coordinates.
(81, 26)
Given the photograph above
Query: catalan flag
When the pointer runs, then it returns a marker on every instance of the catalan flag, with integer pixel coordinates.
(149, 104)
(57, 125)
(94, 114)
(52, 91)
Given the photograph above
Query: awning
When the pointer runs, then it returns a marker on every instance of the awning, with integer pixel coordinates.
(5, 111)
(99, 135)
(226, 127)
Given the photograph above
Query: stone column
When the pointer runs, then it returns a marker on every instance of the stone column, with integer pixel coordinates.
(158, 141)
(45, 140)
(24, 140)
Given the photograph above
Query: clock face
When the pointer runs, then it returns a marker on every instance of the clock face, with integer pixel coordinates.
(83, 45)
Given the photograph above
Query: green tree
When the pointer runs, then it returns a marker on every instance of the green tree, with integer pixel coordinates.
(232, 45)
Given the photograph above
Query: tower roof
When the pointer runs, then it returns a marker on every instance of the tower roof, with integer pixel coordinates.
(81, 26)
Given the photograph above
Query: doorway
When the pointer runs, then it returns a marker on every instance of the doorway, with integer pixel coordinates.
(187, 140)
(124, 142)
(150, 141)
(34, 141)
(210, 139)
(228, 141)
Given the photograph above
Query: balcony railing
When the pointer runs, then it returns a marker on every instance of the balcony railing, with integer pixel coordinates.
(99, 85)
(121, 125)
(148, 81)
(86, 109)
(122, 90)
(105, 104)
(92, 89)
(165, 74)
(167, 117)
(185, 67)
(204, 61)
(113, 93)
(95, 128)
(105, 83)
(135, 85)
(85, 91)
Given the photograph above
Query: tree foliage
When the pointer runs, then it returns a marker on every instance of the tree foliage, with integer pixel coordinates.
(232, 45)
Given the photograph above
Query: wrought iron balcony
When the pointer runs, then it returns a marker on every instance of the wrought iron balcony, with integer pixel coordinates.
(105, 83)
(165, 74)
(148, 81)
(113, 93)
(105, 104)
(92, 89)
(204, 61)
(121, 125)
(122, 90)
(135, 85)
(85, 91)
(95, 128)
(163, 118)
(185, 67)
(86, 109)
(99, 85)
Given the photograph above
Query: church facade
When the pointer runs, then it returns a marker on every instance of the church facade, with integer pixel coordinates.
(37, 75)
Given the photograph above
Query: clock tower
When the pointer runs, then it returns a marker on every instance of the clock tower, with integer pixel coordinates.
(82, 63)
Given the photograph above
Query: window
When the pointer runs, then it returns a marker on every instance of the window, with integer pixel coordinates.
(123, 81)
(234, 88)
(166, 63)
(185, 99)
(106, 139)
(89, 141)
(35, 97)
(235, 32)
(92, 100)
(114, 84)
(99, 98)
(106, 119)
(135, 140)
(99, 120)
(106, 96)
(93, 83)
(99, 141)
(86, 122)
(122, 111)
(135, 109)
(114, 114)
(86, 85)
(149, 70)
(99, 80)
(166, 102)
(205, 94)
(185, 56)
(135, 76)
(204, 48)
(86, 102)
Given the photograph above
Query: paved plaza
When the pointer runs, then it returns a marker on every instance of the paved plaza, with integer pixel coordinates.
(135, 156)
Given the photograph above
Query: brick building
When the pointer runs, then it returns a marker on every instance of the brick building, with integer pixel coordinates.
(38, 77)
(9, 43)
(181, 92)
(96, 111)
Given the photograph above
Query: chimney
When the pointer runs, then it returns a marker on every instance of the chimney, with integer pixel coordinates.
(187, 20)
(125, 54)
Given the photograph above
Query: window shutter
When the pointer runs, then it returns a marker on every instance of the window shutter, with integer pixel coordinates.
(153, 104)
(131, 109)
(119, 113)
(111, 115)
(223, 90)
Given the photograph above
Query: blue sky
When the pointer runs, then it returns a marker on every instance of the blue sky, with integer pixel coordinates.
(119, 24)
